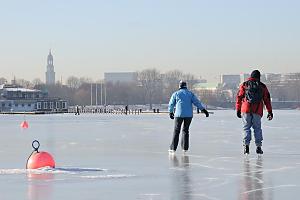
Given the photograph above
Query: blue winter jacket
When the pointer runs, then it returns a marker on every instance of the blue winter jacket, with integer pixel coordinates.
(183, 101)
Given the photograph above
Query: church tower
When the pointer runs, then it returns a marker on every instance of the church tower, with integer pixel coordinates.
(50, 74)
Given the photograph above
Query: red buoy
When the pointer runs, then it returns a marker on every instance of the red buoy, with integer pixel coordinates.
(40, 159)
(24, 124)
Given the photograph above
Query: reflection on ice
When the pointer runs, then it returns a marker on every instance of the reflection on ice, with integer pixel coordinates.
(181, 180)
(40, 186)
(253, 183)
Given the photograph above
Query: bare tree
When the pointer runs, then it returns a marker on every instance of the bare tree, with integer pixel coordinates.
(3, 80)
(36, 81)
(73, 82)
(24, 83)
(190, 79)
(83, 80)
(171, 80)
(150, 80)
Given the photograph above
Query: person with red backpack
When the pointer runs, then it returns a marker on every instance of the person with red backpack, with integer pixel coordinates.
(250, 100)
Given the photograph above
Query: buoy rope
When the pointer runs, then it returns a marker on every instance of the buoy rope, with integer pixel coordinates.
(35, 149)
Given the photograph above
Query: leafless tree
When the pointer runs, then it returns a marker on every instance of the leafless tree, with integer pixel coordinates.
(24, 83)
(3, 80)
(171, 80)
(83, 80)
(150, 80)
(190, 79)
(73, 82)
(36, 81)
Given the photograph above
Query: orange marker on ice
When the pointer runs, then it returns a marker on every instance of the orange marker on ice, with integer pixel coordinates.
(24, 124)
(39, 159)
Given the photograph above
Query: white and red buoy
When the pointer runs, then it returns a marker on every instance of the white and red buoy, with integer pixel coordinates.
(39, 159)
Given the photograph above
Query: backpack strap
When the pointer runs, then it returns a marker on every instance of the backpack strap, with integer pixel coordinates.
(261, 87)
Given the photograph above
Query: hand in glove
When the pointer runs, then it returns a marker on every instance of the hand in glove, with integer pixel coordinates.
(270, 116)
(171, 115)
(238, 114)
(205, 112)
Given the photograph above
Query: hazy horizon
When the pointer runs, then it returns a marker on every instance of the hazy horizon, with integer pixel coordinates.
(205, 38)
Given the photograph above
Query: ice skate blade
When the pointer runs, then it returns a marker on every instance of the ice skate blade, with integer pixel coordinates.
(171, 152)
(259, 155)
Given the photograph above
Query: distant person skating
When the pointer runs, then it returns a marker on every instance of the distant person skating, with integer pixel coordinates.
(77, 110)
(250, 100)
(183, 100)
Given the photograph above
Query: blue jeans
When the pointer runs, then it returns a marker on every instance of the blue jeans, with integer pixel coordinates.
(254, 121)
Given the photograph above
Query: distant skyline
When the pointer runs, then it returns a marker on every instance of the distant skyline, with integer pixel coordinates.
(205, 38)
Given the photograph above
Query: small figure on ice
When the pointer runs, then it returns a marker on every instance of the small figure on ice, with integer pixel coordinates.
(77, 112)
(250, 100)
(183, 100)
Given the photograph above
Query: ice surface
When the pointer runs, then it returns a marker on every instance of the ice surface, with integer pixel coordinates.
(126, 157)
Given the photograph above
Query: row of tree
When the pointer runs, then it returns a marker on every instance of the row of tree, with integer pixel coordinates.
(152, 87)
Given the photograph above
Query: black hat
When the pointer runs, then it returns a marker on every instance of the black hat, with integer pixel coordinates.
(182, 84)
(255, 74)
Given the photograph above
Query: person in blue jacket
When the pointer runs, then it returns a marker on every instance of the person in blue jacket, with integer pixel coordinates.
(182, 101)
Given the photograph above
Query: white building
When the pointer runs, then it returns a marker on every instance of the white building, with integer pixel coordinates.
(270, 77)
(230, 80)
(290, 77)
(244, 77)
(14, 98)
(120, 77)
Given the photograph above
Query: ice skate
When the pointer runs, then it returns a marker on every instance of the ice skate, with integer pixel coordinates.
(246, 149)
(259, 151)
(171, 152)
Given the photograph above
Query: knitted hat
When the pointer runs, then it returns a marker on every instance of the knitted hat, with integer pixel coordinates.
(255, 74)
(182, 84)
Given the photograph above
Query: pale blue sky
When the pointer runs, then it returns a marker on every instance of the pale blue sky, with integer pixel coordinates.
(205, 38)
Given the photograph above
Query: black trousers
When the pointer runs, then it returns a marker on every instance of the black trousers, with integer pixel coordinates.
(185, 133)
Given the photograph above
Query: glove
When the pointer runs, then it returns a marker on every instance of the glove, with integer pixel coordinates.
(270, 116)
(205, 112)
(238, 114)
(171, 115)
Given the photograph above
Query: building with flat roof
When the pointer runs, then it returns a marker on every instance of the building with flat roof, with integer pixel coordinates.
(244, 77)
(290, 77)
(230, 80)
(271, 77)
(14, 98)
(120, 77)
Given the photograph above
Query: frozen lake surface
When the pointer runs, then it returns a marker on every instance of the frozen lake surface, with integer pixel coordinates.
(126, 157)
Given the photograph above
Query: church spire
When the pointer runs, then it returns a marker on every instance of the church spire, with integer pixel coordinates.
(50, 58)
(50, 74)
